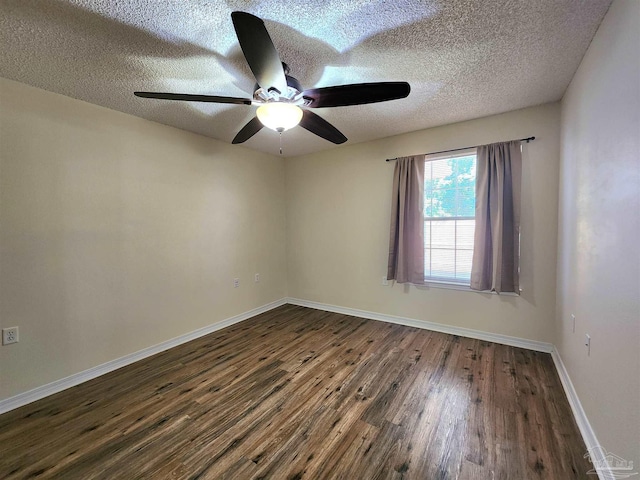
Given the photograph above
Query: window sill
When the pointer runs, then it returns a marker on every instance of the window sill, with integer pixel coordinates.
(460, 287)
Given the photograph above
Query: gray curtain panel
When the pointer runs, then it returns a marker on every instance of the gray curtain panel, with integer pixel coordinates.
(496, 250)
(406, 240)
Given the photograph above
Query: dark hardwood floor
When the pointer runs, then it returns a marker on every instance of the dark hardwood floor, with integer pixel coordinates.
(299, 393)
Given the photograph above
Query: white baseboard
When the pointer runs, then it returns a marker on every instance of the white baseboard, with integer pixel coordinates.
(436, 327)
(588, 435)
(80, 377)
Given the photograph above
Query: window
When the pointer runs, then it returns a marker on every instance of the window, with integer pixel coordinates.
(449, 216)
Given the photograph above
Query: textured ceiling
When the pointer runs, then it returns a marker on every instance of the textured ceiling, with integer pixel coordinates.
(464, 59)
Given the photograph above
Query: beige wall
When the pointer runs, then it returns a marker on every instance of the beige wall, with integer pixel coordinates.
(117, 233)
(338, 210)
(599, 246)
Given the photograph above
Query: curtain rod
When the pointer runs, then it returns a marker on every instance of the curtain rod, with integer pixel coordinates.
(528, 139)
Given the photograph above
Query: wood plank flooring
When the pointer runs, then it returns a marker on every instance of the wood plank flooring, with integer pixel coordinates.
(298, 393)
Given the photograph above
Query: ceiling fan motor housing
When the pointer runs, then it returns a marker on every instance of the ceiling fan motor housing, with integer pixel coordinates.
(272, 95)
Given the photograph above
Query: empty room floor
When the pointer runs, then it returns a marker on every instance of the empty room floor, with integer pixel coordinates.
(300, 393)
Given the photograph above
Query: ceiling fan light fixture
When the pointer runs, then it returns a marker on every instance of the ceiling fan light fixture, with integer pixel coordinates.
(279, 116)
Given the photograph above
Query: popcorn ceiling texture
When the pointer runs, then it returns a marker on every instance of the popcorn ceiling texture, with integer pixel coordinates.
(464, 59)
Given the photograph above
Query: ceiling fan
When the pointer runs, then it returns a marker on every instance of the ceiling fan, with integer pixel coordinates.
(280, 96)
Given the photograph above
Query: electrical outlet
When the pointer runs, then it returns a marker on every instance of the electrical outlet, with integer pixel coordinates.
(573, 320)
(385, 282)
(236, 282)
(257, 277)
(10, 335)
(587, 343)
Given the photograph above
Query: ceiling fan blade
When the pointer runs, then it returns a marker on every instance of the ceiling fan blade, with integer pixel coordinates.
(318, 125)
(248, 131)
(356, 94)
(193, 98)
(258, 49)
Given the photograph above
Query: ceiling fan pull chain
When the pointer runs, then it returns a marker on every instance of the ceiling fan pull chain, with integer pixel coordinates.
(280, 143)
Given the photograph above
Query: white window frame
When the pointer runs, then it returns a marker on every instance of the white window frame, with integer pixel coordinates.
(445, 282)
